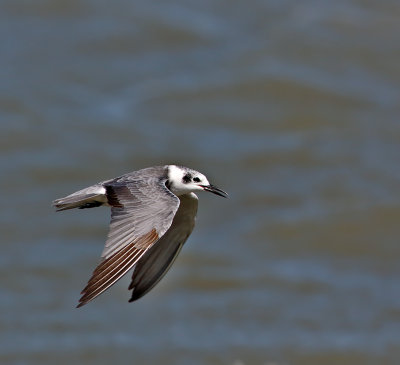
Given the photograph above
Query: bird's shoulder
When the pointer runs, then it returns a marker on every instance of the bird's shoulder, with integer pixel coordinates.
(149, 173)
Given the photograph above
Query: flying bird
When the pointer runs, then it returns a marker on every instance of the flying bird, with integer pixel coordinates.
(153, 212)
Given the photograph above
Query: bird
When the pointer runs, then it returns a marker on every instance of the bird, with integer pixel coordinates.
(153, 212)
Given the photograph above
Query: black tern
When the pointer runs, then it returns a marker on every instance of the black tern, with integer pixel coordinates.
(153, 212)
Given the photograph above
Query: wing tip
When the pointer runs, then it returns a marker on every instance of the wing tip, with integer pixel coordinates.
(134, 297)
(84, 299)
(109, 271)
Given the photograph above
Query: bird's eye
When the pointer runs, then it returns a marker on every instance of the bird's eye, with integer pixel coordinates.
(196, 179)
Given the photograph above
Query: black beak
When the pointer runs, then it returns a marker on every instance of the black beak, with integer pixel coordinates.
(215, 190)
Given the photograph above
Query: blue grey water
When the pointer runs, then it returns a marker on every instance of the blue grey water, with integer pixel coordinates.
(290, 106)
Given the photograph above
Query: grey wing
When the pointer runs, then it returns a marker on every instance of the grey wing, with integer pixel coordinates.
(159, 258)
(142, 210)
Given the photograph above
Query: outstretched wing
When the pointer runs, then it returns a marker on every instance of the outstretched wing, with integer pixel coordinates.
(142, 210)
(159, 258)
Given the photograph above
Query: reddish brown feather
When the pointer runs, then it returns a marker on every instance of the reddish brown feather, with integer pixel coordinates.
(104, 282)
(114, 267)
(98, 276)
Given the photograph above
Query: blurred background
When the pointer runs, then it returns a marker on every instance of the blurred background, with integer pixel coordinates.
(290, 106)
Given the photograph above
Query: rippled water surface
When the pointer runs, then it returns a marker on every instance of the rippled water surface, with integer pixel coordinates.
(290, 106)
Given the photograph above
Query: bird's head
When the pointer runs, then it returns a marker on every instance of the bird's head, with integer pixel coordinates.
(182, 180)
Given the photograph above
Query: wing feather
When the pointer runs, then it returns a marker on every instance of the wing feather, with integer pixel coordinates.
(113, 268)
(155, 263)
(142, 210)
(138, 207)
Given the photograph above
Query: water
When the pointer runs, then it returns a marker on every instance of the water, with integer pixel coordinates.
(291, 107)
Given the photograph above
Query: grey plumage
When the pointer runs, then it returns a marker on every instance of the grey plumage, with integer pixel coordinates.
(87, 196)
(159, 258)
(140, 202)
(152, 214)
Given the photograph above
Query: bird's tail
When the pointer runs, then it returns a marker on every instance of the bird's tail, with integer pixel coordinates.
(90, 197)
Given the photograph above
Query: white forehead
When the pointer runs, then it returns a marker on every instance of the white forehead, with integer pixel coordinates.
(176, 173)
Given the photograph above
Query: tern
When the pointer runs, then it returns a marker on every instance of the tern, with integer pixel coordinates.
(153, 212)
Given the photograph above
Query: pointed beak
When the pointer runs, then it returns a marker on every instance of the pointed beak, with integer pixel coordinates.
(215, 190)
